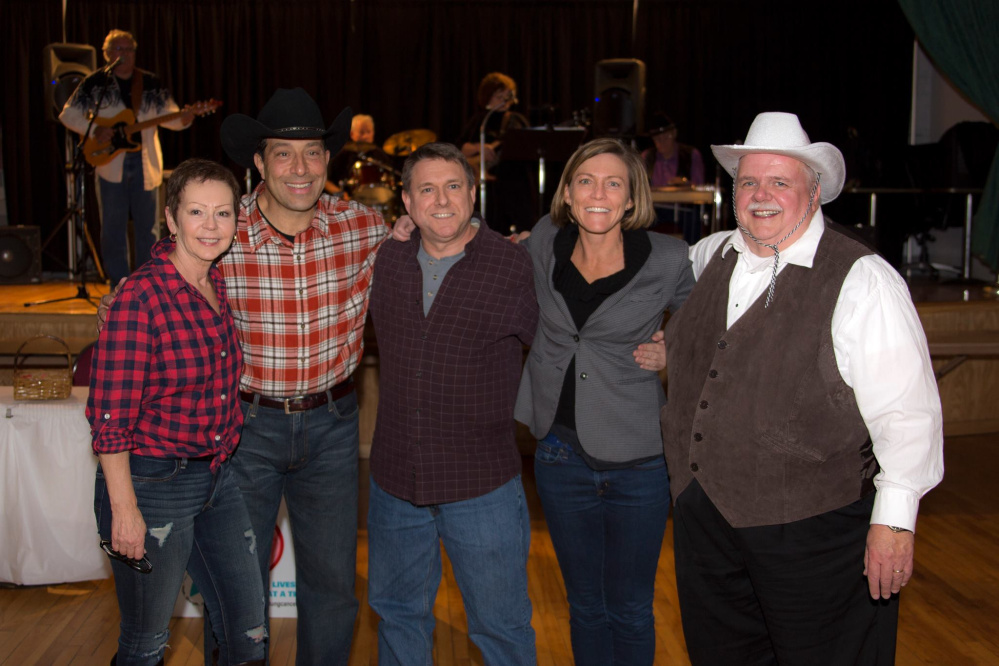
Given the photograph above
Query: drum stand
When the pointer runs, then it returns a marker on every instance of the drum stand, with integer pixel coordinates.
(76, 208)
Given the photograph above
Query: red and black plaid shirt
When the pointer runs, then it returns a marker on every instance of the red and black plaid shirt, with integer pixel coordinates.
(166, 370)
(300, 307)
(448, 380)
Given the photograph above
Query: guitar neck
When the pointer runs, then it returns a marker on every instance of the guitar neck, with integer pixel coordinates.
(152, 122)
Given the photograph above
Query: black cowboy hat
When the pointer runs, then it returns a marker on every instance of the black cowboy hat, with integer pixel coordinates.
(659, 123)
(288, 114)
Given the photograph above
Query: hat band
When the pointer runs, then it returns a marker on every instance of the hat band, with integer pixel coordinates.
(318, 130)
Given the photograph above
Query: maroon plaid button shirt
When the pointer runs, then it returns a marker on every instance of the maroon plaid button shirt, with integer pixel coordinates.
(448, 380)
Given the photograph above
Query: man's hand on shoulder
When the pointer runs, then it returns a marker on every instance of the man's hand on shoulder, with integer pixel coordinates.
(403, 228)
(105, 305)
(888, 560)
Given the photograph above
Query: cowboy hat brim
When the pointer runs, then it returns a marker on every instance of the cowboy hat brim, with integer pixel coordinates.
(241, 135)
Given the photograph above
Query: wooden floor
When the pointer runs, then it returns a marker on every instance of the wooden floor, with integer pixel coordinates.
(949, 613)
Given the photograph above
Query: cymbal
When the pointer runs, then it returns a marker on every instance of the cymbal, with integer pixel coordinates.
(404, 143)
(359, 146)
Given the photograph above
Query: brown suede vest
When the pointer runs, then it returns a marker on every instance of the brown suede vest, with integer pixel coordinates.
(759, 413)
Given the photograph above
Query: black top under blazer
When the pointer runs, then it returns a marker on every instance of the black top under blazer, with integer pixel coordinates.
(617, 402)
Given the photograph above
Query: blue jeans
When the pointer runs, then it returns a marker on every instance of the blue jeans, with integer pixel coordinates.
(117, 199)
(487, 539)
(195, 521)
(607, 529)
(311, 459)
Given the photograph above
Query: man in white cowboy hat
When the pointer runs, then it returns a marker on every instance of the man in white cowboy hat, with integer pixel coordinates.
(298, 277)
(803, 424)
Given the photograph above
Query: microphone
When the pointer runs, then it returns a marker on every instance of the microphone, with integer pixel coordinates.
(111, 65)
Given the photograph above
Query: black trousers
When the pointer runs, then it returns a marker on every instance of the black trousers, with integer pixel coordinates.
(779, 594)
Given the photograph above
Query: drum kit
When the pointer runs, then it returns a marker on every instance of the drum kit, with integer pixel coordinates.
(375, 178)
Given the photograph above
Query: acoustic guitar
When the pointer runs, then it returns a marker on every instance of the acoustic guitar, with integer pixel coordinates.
(99, 153)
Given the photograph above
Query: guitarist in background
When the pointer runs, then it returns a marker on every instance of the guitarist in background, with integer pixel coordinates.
(509, 195)
(128, 182)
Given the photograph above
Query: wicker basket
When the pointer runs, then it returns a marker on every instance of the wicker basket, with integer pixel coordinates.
(42, 383)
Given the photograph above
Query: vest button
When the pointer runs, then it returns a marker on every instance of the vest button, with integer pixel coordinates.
(575, 338)
(722, 344)
(713, 374)
(703, 404)
(698, 436)
(582, 375)
(693, 467)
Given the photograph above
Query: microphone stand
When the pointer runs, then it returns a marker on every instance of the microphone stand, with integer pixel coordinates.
(77, 210)
(482, 160)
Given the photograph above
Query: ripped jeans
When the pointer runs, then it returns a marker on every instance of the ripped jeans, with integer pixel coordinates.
(195, 521)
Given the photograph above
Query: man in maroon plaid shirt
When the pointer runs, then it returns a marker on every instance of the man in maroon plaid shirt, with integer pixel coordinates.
(452, 308)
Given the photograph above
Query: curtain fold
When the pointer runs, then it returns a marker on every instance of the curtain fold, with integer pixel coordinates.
(962, 39)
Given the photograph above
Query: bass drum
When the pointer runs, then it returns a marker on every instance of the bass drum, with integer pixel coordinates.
(380, 198)
(374, 186)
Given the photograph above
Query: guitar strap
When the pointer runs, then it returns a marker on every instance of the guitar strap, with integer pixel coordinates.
(137, 78)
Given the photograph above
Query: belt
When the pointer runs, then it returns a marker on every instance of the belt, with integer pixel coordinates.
(300, 403)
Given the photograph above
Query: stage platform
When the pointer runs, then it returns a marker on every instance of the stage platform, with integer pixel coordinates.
(961, 323)
(75, 321)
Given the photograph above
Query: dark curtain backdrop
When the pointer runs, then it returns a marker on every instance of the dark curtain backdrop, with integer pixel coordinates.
(711, 64)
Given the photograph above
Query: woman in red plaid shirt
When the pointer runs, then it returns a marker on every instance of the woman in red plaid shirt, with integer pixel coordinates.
(165, 418)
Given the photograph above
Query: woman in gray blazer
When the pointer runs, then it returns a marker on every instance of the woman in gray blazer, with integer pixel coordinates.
(591, 394)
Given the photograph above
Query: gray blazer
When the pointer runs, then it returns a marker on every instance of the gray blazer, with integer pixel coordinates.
(617, 403)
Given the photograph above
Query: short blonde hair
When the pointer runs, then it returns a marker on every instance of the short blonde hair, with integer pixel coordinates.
(641, 216)
(113, 35)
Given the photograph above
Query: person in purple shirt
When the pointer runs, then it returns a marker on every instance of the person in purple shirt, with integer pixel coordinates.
(452, 308)
(670, 163)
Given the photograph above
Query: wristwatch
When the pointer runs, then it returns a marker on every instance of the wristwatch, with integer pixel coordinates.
(896, 530)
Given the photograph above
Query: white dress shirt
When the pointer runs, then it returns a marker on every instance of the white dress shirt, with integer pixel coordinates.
(881, 352)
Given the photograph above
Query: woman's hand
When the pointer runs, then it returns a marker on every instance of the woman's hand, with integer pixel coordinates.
(128, 532)
(652, 355)
(128, 528)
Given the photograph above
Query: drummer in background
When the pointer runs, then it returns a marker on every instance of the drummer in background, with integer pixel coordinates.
(362, 128)
(362, 139)
(673, 164)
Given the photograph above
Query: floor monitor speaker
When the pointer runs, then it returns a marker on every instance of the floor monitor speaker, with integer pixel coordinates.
(20, 255)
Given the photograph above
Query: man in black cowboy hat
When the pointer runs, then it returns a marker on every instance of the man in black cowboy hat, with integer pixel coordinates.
(803, 424)
(298, 277)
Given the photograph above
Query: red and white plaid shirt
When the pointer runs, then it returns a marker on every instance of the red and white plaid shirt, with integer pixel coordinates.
(300, 307)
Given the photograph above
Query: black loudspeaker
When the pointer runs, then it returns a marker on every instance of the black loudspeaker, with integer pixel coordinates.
(64, 67)
(20, 255)
(619, 102)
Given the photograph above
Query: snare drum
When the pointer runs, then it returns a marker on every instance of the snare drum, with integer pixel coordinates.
(374, 187)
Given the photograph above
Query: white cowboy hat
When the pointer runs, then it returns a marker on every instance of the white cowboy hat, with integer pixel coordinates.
(779, 133)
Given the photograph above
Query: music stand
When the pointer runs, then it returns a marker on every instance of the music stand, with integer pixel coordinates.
(542, 143)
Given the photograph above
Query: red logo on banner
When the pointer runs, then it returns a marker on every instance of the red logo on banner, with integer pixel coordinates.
(277, 547)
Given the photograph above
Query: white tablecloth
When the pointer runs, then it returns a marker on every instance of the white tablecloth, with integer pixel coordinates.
(47, 528)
